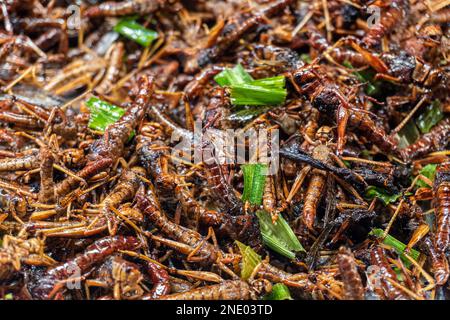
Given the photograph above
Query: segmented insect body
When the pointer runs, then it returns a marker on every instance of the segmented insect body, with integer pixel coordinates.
(160, 280)
(318, 178)
(437, 138)
(21, 120)
(326, 96)
(112, 73)
(353, 287)
(16, 251)
(124, 190)
(124, 8)
(441, 203)
(154, 155)
(47, 189)
(26, 162)
(107, 149)
(122, 276)
(236, 30)
(397, 12)
(150, 206)
(55, 279)
(378, 258)
(439, 262)
(227, 290)
(339, 54)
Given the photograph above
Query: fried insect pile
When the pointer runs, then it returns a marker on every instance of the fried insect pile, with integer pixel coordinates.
(357, 208)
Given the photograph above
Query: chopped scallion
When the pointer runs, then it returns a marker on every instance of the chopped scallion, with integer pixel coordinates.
(278, 236)
(130, 29)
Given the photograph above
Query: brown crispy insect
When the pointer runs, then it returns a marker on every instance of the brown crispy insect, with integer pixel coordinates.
(234, 31)
(438, 261)
(434, 140)
(26, 162)
(441, 190)
(327, 97)
(228, 290)
(396, 12)
(15, 252)
(124, 190)
(378, 258)
(47, 189)
(353, 287)
(150, 206)
(122, 276)
(112, 73)
(55, 279)
(317, 181)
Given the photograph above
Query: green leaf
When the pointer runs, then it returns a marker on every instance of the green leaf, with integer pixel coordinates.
(376, 192)
(246, 91)
(408, 134)
(428, 171)
(233, 76)
(130, 29)
(306, 57)
(254, 182)
(279, 292)
(102, 113)
(9, 296)
(250, 259)
(372, 86)
(256, 95)
(278, 236)
(247, 113)
(397, 245)
(430, 117)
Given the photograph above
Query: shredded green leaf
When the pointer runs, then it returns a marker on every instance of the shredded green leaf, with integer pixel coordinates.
(247, 113)
(306, 57)
(102, 113)
(246, 91)
(233, 76)
(254, 182)
(383, 195)
(278, 236)
(397, 245)
(256, 95)
(279, 292)
(372, 86)
(408, 135)
(130, 29)
(250, 259)
(430, 117)
(9, 296)
(428, 171)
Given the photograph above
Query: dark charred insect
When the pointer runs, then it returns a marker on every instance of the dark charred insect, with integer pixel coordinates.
(326, 96)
